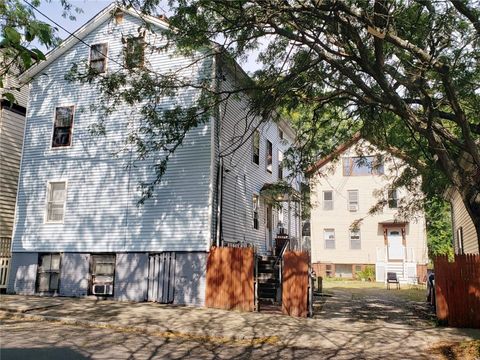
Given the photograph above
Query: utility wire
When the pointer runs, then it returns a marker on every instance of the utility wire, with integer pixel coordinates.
(72, 34)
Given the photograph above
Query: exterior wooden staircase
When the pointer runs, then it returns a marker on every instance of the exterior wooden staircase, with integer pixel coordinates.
(268, 279)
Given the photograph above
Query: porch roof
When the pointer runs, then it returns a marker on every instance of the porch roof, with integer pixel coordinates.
(279, 192)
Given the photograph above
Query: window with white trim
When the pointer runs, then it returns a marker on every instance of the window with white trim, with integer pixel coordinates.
(352, 200)
(56, 196)
(256, 147)
(103, 274)
(329, 237)
(256, 206)
(280, 134)
(48, 273)
(62, 127)
(355, 241)
(280, 165)
(269, 156)
(98, 57)
(328, 200)
(392, 199)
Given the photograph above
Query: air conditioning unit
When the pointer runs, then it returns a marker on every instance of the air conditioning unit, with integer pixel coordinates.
(352, 207)
(102, 289)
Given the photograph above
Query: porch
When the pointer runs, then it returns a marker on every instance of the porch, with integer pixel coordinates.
(398, 259)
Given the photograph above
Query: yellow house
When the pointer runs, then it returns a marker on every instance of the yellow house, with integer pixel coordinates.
(345, 236)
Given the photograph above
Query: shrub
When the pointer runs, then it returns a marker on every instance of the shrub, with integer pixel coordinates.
(367, 274)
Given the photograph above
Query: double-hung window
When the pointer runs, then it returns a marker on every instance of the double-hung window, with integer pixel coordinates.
(352, 200)
(62, 128)
(355, 241)
(48, 272)
(255, 207)
(328, 200)
(280, 165)
(103, 274)
(329, 237)
(269, 156)
(392, 199)
(256, 147)
(98, 57)
(56, 196)
(135, 52)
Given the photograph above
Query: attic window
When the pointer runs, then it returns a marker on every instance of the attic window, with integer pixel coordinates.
(134, 52)
(118, 16)
(98, 57)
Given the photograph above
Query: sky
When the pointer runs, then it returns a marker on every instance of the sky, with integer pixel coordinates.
(90, 8)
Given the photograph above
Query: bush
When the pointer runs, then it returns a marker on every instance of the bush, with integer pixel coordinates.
(367, 274)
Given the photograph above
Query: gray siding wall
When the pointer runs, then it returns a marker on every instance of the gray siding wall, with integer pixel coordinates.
(190, 278)
(243, 178)
(131, 273)
(74, 274)
(12, 126)
(23, 273)
(101, 212)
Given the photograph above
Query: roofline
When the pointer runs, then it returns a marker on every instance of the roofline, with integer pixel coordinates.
(340, 149)
(81, 32)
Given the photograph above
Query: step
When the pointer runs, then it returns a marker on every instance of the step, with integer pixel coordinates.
(268, 258)
(271, 286)
(265, 277)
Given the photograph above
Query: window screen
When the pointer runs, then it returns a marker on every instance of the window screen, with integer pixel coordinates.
(329, 237)
(56, 201)
(328, 200)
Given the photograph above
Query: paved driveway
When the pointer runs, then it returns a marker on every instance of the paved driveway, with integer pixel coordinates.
(351, 325)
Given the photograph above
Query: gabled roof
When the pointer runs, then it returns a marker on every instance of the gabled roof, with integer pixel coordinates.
(340, 149)
(83, 31)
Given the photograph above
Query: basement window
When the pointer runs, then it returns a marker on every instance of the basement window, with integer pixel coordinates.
(48, 274)
(103, 274)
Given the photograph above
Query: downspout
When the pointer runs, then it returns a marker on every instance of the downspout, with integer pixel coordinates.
(218, 231)
(220, 168)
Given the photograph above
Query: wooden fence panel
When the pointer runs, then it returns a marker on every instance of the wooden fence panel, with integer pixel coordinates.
(295, 283)
(230, 283)
(457, 290)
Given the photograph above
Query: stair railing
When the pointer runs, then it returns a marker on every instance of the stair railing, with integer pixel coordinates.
(279, 263)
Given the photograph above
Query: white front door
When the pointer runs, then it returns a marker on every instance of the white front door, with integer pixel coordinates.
(395, 245)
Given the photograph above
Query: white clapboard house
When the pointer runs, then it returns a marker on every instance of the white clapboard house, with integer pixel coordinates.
(78, 229)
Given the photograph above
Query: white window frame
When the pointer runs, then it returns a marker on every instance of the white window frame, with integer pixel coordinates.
(268, 156)
(325, 231)
(255, 134)
(396, 199)
(256, 200)
(324, 202)
(47, 201)
(280, 168)
(353, 206)
(352, 232)
(59, 148)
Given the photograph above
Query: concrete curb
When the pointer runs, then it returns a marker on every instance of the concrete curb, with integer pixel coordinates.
(228, 340)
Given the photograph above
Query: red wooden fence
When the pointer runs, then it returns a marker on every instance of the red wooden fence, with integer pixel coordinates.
(457, 290)
(295, 283)
(230, 274)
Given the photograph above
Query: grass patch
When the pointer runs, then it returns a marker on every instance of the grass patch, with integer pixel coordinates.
(465, 350)
(360, 289)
